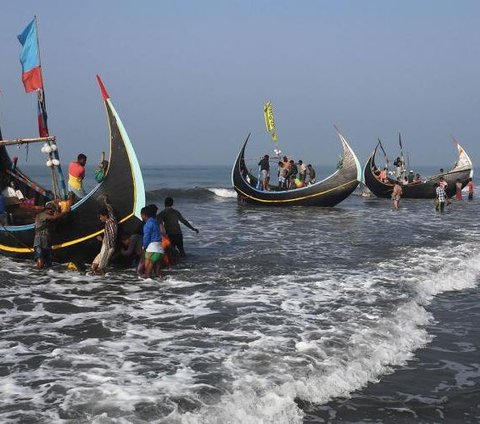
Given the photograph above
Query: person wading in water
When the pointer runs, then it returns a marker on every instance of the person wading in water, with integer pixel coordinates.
(396, 194)
(170, 218)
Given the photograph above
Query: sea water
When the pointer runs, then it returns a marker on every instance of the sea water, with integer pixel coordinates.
(356, 313)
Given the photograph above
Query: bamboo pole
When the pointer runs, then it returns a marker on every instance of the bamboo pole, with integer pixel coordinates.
(27, 140)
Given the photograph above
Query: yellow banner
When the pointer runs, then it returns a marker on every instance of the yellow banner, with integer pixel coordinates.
(269, 121)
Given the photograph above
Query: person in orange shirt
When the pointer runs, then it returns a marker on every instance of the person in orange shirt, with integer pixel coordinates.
(76, 174)
(383, 175)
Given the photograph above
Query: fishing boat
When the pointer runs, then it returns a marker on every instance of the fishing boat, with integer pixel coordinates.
(424, 189)
(327, 192)
(74, 236)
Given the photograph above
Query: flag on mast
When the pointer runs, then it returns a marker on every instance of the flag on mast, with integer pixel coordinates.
(30, 58)
(269, 121)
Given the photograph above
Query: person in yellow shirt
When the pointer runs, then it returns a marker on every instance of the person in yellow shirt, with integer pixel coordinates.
(76, 174)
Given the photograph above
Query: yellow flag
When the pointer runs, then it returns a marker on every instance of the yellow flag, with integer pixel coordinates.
(269, 121)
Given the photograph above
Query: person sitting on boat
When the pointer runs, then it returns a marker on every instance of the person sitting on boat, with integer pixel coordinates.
(298, 183)
(101, 170)
(411, 177)
(405, 180)
(418, 178)
(108, 240)
(311, 174)
(170, 218)
(12, 195)
(76, 174)
(302, 171)
(292, 175)
(264, 165)
(42, 245)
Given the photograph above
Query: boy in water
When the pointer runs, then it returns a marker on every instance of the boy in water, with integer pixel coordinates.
(170, 218)
(152, 240)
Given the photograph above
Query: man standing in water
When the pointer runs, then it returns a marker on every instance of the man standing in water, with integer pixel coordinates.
(470, 189)
(108, 240)
(76, 174)
(396, 194)
(440, 198)
(42, 244)
(170, 218)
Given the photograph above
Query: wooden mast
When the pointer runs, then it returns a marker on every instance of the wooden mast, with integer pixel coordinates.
(42, 105)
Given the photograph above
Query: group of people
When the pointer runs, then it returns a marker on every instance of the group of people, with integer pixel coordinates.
(411, 177)
(162, 239)
(441, 196)
(290, 174)
(158, 241)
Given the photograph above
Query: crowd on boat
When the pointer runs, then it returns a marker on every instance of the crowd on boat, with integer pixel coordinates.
(290, 174)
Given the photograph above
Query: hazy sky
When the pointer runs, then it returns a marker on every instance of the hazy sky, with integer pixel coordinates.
(189, 78)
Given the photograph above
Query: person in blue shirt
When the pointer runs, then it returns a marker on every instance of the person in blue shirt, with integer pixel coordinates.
(152, 240)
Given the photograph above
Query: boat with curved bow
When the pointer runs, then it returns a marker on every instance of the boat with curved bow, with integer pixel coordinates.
(423, 189)
(327, 192)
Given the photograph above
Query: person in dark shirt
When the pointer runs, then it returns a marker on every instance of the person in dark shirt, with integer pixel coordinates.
(264, 165)
(171, 219)
(42, 244)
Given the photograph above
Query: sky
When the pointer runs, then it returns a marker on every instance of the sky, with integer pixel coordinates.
(189, 78)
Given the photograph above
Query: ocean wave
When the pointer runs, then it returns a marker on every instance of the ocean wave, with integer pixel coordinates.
(197, 193)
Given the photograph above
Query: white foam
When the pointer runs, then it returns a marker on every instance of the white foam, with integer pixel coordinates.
(223, 192)
(313, 335)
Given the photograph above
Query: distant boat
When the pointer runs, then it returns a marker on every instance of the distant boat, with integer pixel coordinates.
(463, 170)
(74, 238)
(328, 192)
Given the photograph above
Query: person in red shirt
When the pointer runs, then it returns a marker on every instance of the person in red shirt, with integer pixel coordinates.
(470, 189)
(76, 174)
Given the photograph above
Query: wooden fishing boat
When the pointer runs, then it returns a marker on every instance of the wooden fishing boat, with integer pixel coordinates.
(462, 170)
(74, 237)
(328, 192)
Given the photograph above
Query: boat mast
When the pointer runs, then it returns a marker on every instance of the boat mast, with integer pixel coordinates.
(58, 181)
(402, 169)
